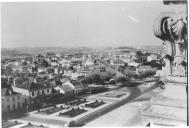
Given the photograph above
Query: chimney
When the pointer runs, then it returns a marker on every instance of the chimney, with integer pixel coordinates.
(34, 80)
(14, 82)
(8, 79)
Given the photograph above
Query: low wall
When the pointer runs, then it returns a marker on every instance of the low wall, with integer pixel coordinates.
(100, 112)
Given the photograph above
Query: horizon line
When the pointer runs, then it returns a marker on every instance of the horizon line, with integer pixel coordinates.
(80, 46)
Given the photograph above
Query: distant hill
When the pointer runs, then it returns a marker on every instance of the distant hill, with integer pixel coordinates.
(152, 48)
(11, 52)
(8, 52)
(124, 47)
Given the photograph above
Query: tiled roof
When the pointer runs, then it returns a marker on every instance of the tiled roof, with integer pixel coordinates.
(66, 88)
(64, 80)
(75, 82)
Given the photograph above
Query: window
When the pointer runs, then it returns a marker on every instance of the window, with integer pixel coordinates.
(43, 92)
(8, 108)
(38, 93)
(18, 104)
(14, 107)
(32, 93)
(47, 90)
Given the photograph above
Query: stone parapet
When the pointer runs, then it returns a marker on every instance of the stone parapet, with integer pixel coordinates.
(180, 81)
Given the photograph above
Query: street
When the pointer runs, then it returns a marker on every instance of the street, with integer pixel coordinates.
(128, 114)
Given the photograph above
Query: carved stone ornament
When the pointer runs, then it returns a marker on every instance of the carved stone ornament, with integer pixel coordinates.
(171, 28)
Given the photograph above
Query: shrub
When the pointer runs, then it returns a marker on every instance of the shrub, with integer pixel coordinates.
(146, 71)
(129, 73)
(72, 124)
(29, 124)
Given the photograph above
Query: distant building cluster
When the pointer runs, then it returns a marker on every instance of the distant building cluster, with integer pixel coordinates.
(29, 79)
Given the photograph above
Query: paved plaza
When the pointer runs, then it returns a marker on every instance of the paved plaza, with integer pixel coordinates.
(125, 115)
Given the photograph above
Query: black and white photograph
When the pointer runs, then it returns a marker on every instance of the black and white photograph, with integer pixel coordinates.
(94, 63)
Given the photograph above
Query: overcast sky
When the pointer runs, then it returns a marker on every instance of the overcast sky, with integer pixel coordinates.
(64, 24)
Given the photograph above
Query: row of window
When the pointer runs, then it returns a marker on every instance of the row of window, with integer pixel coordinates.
(43, 92)
(13, 98)
(19, 105)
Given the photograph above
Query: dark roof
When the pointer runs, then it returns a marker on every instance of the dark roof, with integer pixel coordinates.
(118, 61)
(31, 75)
(4, 92)
(34, 86)
(42, 73)
(167, 2)
(75, 82)
(4, 83)
(21, 80)
(37, 86)
(41, 79)
(7, 92)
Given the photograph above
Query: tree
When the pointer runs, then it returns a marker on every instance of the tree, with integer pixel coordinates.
(5, 84)
(98, 77)
(121, 69)
(110, 71)
(120, 78)
(129, 73)
(58, 82)
(139, 56)
(146, 71)
(45, 63)
(8, 71)
(153, 64)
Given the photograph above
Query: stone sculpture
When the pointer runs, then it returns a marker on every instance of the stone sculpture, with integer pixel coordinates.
(172, 29)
